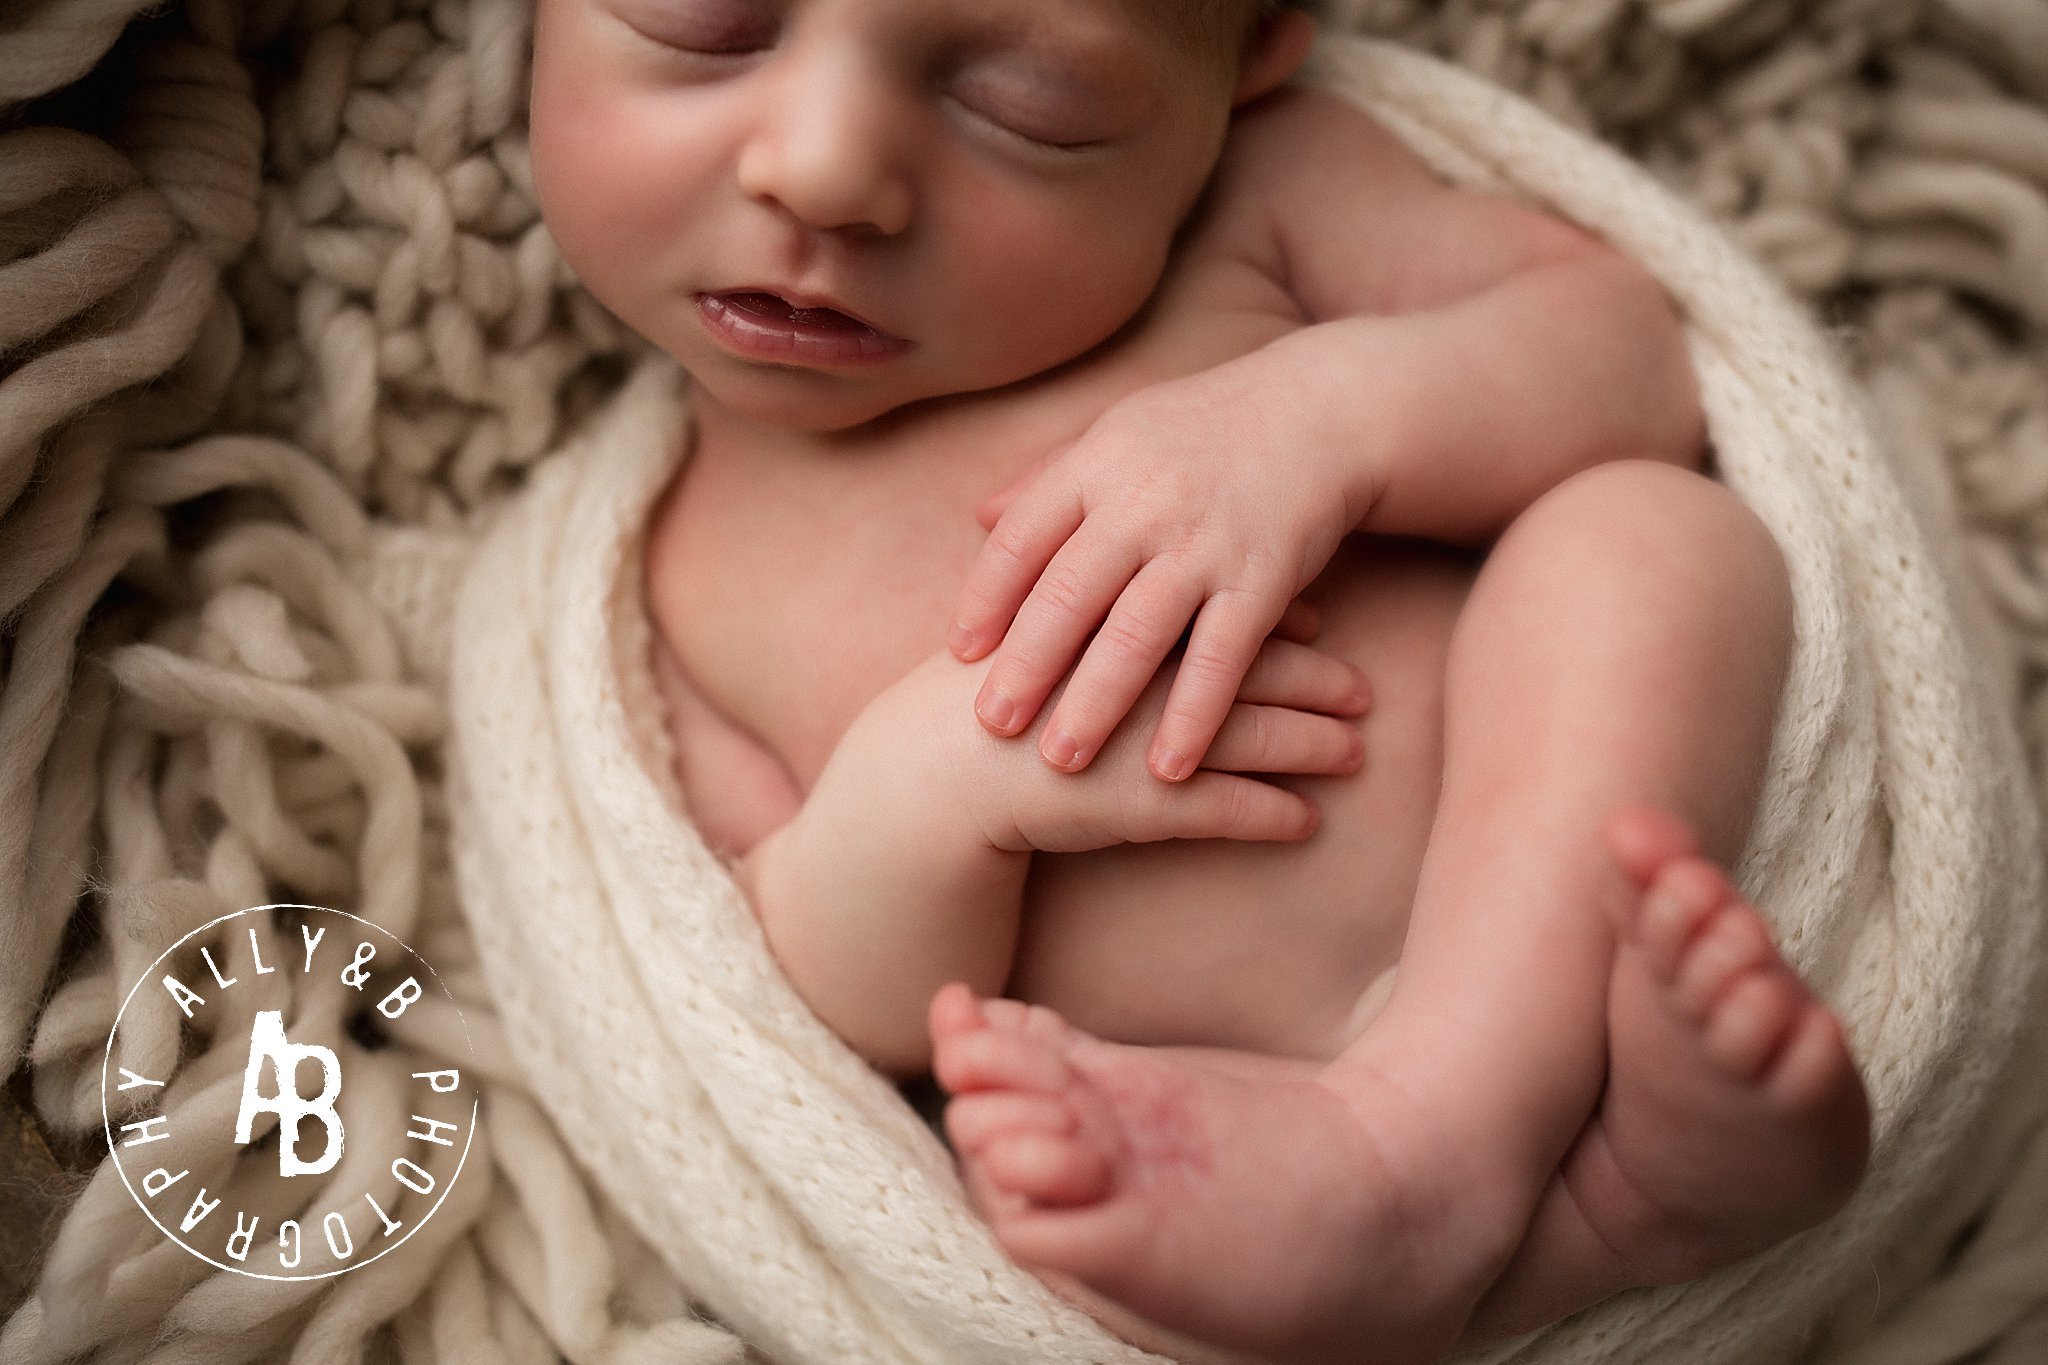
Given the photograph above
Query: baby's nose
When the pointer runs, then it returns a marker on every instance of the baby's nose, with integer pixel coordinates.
(830, 155)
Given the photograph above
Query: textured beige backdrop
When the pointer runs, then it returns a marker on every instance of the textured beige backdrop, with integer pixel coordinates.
(292, 242)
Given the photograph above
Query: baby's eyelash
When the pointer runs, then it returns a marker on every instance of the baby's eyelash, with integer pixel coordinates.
(1014, 134)
(1053, 126)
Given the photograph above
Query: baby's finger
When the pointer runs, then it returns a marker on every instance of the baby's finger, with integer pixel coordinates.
(1276, 739)
(1121, 661)
(1288, 674)
(1013, 558)
(1213, 805)
(1301, 622)
(990, 509)
(1227, 636)
(1069, 601)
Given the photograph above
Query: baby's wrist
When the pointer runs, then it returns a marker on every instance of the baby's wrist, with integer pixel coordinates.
(1305, 389)
(873, 897)
(919, 748)
(904, 781)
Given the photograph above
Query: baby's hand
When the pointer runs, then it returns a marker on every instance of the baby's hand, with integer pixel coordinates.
(1295, 713)
(1180, 504)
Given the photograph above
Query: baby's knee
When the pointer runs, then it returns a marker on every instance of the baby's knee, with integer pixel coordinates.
(1670, 535)
(1659, 517)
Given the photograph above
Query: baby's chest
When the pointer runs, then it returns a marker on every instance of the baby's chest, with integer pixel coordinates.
(793, 597)
(788, 626)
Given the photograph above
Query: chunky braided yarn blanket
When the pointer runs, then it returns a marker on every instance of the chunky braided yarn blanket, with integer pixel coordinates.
(277, 316)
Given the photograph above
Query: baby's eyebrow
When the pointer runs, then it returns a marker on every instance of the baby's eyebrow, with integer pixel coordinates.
(1108, 54)
(1096, 75)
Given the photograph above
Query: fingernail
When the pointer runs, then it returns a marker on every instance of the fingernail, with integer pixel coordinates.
(1174, 765)
(960, 639)
(997, 711)
(1060, 749)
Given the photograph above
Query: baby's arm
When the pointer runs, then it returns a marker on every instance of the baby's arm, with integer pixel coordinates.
(883, 885)
(1470, 353)
(904, 868)
(1464, 355)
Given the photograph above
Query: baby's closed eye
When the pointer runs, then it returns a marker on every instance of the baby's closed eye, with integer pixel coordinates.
(1037, 102)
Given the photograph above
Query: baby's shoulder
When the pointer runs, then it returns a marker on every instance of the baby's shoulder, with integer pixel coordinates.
(1295, 131)
(1291, 157)
(1352, 222)
(1300, 144)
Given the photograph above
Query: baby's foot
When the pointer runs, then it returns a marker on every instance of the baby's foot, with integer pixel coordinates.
(1733, 1115)
(1225, 1196)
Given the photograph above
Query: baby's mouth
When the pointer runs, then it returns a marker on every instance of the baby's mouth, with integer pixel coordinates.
(767, 326)
(773, 308)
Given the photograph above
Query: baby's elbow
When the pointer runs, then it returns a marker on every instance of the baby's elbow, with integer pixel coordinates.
(880, 1026)
(899, 1059)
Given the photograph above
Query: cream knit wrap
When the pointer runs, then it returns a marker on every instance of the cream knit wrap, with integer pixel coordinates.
(794, 1192)
(667, 1128)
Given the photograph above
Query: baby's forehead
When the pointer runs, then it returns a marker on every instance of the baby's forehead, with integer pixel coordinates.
(1177, 29)
(1180, 21)
(1200, 21)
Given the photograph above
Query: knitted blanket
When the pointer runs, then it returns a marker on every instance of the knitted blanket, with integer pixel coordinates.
(280, 335)
(800, 1199)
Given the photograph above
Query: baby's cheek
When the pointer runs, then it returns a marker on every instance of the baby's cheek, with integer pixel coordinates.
(1037, 280)
(569, 188)
(611, 167)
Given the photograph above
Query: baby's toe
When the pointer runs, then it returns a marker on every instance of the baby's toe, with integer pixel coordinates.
(1731, 941)
(985, 1059)
(1812, 1071)
(1038, 1022)
(1674, 908)
(1751, 1019)
(1048, 1169)
(975, 1120)
(1643, 840)
(954, 1010)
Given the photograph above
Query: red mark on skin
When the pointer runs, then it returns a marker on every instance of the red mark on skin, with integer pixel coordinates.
(1161, 1123)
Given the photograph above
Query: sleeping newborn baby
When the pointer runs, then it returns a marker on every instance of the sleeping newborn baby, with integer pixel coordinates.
(1085, 416)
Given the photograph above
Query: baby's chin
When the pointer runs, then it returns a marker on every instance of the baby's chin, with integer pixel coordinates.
(810, 402)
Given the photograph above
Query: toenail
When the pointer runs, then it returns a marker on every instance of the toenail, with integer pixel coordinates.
(1664, 907)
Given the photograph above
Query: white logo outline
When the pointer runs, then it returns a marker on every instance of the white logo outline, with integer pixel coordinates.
(107, 1119)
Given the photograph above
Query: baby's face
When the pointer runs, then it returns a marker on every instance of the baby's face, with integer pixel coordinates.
(825, 209)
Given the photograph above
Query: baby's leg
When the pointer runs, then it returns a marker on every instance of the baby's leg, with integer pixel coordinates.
(1623, 646)
(1732, 1115)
